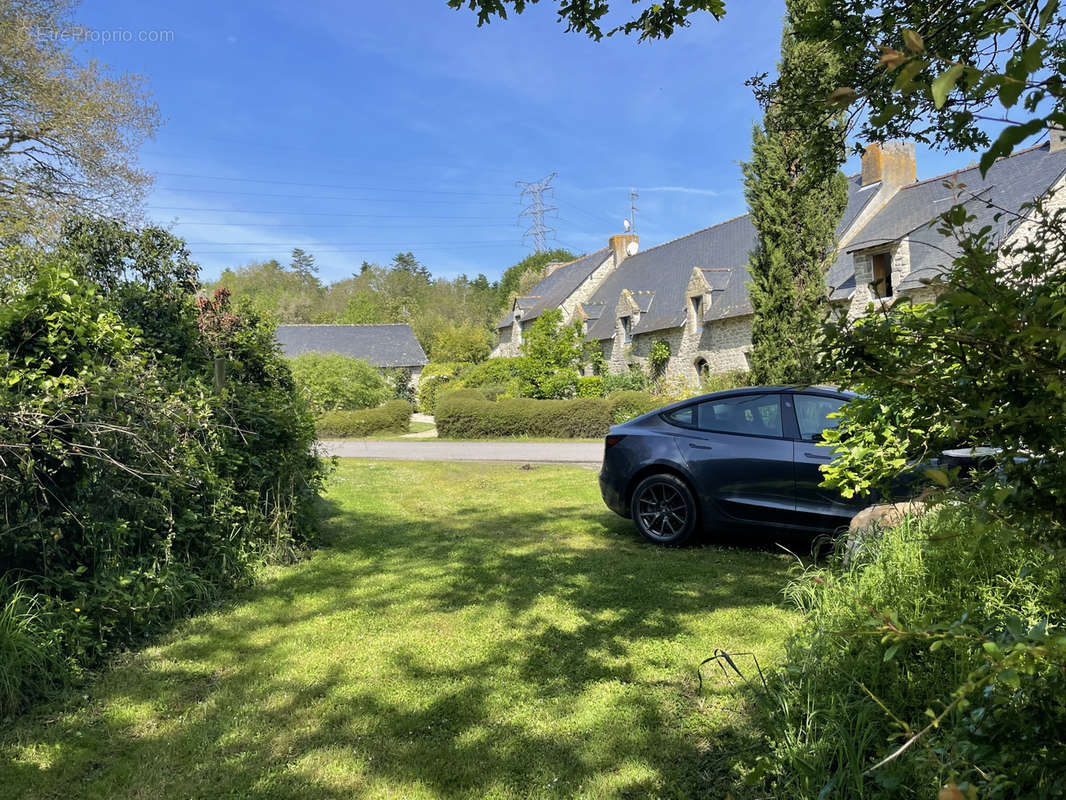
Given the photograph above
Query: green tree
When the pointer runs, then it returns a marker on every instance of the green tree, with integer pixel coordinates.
(552, 353)
(286, 295)
(464, 343)
(69, 132)
(512, 276)
(796, 196)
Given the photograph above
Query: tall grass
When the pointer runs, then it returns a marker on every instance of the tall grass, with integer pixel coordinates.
(850, 695)
(29, 657)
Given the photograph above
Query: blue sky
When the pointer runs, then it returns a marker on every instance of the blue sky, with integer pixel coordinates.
(356, 130)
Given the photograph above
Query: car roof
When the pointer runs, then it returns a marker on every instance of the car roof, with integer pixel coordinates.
(744, 390)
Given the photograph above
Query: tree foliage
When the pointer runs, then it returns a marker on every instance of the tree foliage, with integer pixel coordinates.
(552, 352)
(939, 72)
(656, 19)
(69, 132)
(133, 488)
(796, 196)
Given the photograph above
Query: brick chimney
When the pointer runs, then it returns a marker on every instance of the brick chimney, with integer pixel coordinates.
(1057, 139)
(890, 162)
(619, 244)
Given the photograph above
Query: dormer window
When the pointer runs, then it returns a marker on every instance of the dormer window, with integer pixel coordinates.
(697, 308)
(882, 274)
(627, 328)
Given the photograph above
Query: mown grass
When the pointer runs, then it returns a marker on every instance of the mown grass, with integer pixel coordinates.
(468, 631)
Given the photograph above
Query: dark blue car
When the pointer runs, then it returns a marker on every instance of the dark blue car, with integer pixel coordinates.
(736, 458)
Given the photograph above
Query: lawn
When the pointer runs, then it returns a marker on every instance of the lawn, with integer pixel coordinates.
(467, 631)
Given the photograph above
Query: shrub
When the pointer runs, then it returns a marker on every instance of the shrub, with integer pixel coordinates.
(634, 380)
(435, 377)
(392, 417)
(591, 386)
(627, 405)
(333, 382)
(134, 487)
(720, 381)
(493, 371)
(464, 415)
(402, 386)
(908, 631)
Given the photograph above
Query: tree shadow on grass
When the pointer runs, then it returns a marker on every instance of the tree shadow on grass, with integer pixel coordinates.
(515, 655)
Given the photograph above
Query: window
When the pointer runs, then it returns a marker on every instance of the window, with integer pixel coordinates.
(697, 309)
(685, 417)
(882, 282)
(627, 328)
(812, 414)
(751, 415)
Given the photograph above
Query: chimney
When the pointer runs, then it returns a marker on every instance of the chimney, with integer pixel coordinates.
(620, 243)
(551, 267)
(890, 162)
(1057, 139)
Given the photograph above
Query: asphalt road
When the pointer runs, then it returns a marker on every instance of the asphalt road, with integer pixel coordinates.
(588, 454)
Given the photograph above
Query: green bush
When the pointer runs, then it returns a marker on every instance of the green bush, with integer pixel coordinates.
(464, 415)
(435, 377)
(333, 382)
(591, 386)
(494, 371)
(720, 381)
(892, 637)
(134, 488)
(392, 417)
(634, 380)
(628, 404)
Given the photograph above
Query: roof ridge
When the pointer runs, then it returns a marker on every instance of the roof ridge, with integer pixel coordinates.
(975, 166)
(560, 264)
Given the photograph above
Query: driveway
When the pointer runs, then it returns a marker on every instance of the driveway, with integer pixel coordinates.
(588, 454)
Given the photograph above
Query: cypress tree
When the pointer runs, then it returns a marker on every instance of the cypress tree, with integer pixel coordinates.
(796, 195)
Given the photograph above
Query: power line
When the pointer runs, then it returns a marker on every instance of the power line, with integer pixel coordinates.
(287, 213)
(533, 192)
(286, 195)
(326, 185)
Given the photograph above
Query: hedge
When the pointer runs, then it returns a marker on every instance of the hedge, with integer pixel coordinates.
(333, 382)
(466, 415)
(393, 417)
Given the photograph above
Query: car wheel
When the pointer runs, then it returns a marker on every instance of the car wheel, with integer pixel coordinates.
(664, 509)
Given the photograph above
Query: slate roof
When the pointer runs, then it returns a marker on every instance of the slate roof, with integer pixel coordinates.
(721, 251)
(556, 287)
(381, 345)
(1009, 183)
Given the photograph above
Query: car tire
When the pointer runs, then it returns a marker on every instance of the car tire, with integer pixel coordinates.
(664, 510)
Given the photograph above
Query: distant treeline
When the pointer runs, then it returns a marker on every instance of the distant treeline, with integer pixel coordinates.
(443, 312)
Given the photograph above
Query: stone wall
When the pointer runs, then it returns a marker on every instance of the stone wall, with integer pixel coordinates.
(510, 341)
(587, 288)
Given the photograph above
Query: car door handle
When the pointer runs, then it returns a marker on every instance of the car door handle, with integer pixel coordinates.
(700, 446)
(819, 457)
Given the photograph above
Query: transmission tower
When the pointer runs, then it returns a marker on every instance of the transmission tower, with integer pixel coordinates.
(532, 196)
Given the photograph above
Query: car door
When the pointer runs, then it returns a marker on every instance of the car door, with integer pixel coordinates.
(740, 457)
(817, 506)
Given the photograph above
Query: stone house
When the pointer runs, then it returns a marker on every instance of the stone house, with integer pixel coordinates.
(384, 346)
(692, 292)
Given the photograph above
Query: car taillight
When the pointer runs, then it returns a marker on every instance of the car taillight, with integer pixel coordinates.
(611, 441)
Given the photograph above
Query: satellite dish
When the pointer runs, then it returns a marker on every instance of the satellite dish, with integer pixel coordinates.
(626, 225)
(631, 248)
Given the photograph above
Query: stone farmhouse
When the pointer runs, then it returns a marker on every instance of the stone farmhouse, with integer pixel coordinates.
(384, 346)
(692, 292)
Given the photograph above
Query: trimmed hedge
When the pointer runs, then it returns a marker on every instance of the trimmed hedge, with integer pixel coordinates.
(393, 417)
(465, 414)
(629, 404)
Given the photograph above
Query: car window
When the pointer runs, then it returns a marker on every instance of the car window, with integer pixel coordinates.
(686, 417)
(751, 415)
(812, 414)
